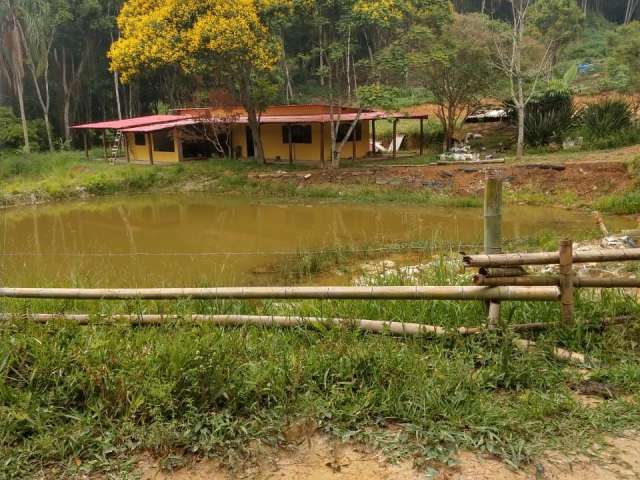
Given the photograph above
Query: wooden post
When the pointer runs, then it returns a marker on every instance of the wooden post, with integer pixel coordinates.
(566, 281)
(373, 135)
(322, 144)
(421, 136)
(86, 144)
(150, 147)
(126, 146)
(493, 228)
(353, 145)
(104, 144)
(393, 139)
(289, 135)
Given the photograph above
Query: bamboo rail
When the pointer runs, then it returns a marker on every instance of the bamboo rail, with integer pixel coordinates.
(549, 258)
(351, 293)
(579, 281)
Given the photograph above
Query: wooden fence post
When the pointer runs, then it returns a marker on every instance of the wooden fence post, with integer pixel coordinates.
(493, 228)
(566, 281)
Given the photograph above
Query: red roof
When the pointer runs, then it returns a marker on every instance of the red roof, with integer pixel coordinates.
(131, 122)
(154, 123)
(243, 120)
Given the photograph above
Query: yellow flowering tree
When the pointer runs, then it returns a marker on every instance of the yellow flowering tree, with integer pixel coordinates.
(224, 43)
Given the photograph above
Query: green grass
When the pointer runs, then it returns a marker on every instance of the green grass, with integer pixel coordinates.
(626, 203)
(79, 400)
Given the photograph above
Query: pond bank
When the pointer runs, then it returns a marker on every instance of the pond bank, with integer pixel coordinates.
(607, 185)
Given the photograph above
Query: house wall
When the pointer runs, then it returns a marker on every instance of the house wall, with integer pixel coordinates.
(275, 148)
(140, 153)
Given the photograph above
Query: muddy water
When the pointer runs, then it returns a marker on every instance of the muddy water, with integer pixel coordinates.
(189, 240)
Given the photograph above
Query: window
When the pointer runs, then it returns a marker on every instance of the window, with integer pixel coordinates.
(344, 128)
(140, 139)
(163, 141)
(299, 134)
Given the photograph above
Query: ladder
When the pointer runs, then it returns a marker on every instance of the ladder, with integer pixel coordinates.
(115, 149)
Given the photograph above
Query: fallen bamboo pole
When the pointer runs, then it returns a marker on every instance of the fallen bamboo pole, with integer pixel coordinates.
(549, 258)
(559, 353)
(284, 321)
(580, 281)
(374, 326)
(353, 293)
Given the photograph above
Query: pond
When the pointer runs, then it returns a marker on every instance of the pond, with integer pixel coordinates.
(199, 239)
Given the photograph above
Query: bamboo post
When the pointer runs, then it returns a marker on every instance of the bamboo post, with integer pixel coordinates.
(421, 136)
(493, 228)
(566, 281)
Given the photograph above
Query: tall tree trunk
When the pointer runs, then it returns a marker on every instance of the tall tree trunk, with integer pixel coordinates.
(520, 145)
(254, 125)
(23, 115)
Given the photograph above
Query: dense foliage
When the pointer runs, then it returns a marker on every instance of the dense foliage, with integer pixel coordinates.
(54, 65)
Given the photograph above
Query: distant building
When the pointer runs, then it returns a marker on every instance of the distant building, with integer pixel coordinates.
(289, 133)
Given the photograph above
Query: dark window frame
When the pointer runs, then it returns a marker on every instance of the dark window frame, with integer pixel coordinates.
(344, 128)
(136, 139)
(163, 141)
(300, 133)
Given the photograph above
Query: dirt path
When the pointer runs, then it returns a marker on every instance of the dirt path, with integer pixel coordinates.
(320, 459)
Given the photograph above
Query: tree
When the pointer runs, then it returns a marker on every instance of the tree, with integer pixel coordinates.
(38, 21)
(558, 21)
(624, 47)
(456, 67)
(523, 60)
(12, 60)
(227, 42)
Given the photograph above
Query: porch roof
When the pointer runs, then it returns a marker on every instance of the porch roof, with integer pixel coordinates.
(130, 122)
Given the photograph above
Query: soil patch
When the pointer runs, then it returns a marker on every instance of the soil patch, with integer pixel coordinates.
(319, 458)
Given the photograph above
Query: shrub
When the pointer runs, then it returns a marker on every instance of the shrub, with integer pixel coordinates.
(606, 116)
(609, 124)
(547, 118)
(11, 136)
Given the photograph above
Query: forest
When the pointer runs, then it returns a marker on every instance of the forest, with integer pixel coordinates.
(65, 62)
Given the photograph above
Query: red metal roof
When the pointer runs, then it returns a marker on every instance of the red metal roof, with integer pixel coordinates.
(131, 122)
(243, 120)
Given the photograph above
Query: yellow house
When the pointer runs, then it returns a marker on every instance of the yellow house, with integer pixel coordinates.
(288, 132)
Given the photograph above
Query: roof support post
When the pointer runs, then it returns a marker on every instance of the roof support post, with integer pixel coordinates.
(177, 139)
(322, 144)
(289, 136)
(373, 136)
(150, 146)
(393, 140)
(126, 146)
(104, 144)
(86, 144)
(353, 144)
(421, 136)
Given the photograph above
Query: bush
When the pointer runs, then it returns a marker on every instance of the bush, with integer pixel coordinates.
(547, 118)
(609, 124)
(606, 117)
(11, 136)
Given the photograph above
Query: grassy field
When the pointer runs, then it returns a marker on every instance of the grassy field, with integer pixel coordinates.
(78, 400)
